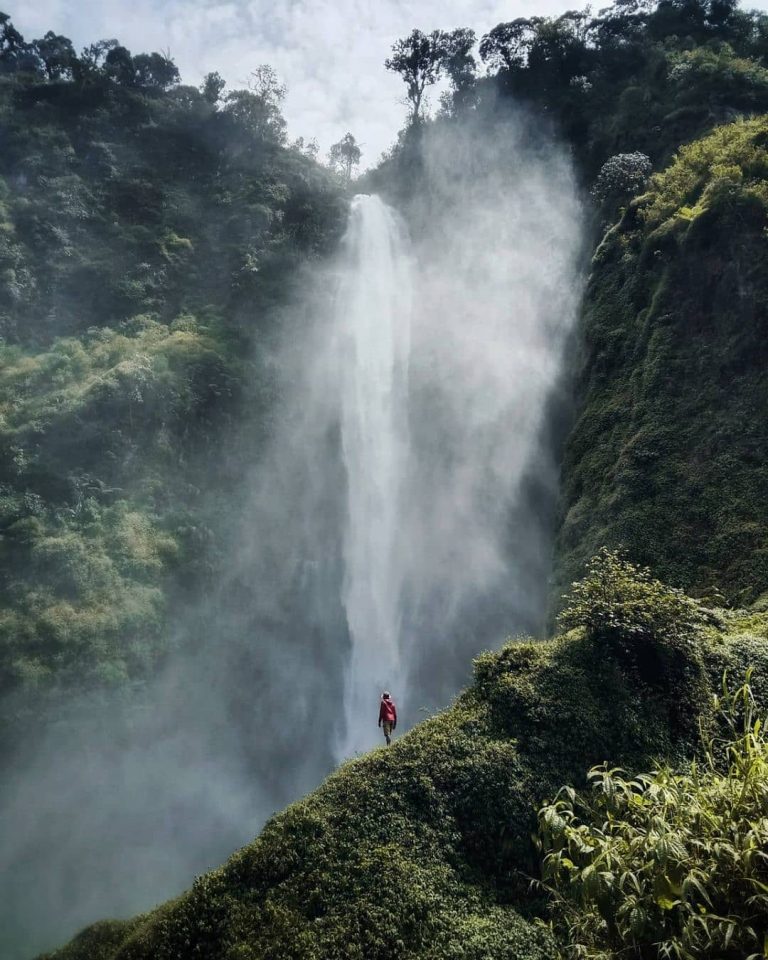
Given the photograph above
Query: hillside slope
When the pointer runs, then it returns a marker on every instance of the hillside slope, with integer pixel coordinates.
(667, 457)
(424, 849)
(149, 233)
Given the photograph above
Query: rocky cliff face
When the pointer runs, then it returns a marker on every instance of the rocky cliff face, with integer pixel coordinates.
(667, 457)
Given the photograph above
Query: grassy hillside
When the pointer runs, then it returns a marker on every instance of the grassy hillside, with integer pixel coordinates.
(668, 454)
(424, 849)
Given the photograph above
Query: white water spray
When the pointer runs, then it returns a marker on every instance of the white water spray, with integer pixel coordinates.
(373, 316)
(446, 357)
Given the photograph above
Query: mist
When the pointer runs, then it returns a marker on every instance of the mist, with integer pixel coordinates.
(395, 521)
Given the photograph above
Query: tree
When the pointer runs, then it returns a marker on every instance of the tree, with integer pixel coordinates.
(344, 155)
(458, 63)
(457, 60)
(57, 54)
(91, 62)
(118, 66)
(506, 47)
(212, 87)
(155, 70)
(265, 83)
(257, 109)
(552, 51)
(623, 175)
(310, 148)
(558, 51)
(421, 59)
(417, 59)
(15, 53)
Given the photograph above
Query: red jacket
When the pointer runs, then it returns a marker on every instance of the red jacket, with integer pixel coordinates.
(388, 711)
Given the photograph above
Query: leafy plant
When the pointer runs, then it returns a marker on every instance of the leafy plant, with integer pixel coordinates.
(621, 176)
(618, 600)
(667, 864)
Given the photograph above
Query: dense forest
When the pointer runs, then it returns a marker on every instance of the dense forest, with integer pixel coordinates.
(150, 232)
(151, 236)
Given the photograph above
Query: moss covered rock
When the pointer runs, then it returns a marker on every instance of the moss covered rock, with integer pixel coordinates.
(667, 457)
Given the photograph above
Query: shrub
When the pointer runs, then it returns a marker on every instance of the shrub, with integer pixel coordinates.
(618, 600)
(667, 864)
(622, 175)
(650, 629)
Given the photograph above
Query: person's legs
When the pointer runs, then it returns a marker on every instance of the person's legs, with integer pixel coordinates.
(387, 725)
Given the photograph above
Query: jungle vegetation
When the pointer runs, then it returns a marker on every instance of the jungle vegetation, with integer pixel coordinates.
(149, 233)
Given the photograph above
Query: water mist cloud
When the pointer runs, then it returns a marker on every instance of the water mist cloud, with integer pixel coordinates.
(498, 242)
(106, 818)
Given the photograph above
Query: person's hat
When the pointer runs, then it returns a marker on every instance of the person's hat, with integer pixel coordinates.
(385, 695)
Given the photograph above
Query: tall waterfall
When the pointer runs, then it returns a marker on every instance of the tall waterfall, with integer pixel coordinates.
(373, 316)
(445, 357)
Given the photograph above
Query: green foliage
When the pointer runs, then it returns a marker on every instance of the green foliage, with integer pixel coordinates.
(621, 176)
(87, 549)
(425, 848)
(653, 630)
(667, 864)
(727, 170)
(97, 942)
(422, 59)
(345, 155)
(636, 77)
(665, 456)
(149, 232)
(616, 599)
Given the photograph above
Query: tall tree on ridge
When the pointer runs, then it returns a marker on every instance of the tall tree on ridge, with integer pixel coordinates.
(345, 155)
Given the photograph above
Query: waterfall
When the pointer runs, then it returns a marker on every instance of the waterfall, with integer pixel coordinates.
(372, 319)
(446, 360)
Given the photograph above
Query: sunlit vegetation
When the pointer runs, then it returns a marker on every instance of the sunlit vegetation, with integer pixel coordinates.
(667, 455)
(93, 431)
(671, 863)
(149, 232)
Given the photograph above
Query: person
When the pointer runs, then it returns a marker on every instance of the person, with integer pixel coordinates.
(387, 716)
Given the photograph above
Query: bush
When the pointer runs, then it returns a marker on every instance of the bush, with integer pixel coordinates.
(620, 601)
(622, 175)
(667, 864)
(651, 630)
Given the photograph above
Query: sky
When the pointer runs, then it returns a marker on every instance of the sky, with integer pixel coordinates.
(329, 53)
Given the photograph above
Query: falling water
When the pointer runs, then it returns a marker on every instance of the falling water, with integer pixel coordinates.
(373, 315)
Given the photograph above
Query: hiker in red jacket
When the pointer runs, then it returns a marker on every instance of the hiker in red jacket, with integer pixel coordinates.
(387, 716)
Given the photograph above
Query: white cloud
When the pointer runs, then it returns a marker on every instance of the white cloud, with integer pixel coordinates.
(330, 53)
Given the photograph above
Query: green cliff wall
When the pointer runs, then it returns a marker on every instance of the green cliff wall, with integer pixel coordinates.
(668, 456)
